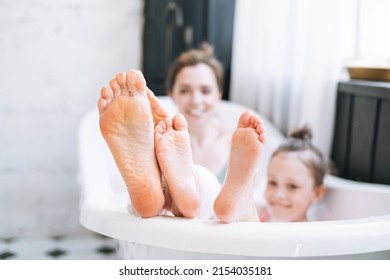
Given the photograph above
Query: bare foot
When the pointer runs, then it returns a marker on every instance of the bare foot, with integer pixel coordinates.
(159, 112)
(235, 202)
(173, 151)
(127, 126)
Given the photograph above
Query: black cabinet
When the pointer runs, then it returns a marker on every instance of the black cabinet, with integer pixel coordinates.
(361, 143)
(173, 26)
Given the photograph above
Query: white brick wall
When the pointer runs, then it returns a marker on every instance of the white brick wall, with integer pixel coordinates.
(54, 58)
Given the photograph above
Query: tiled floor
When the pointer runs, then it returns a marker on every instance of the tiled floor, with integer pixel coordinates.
(68, 247)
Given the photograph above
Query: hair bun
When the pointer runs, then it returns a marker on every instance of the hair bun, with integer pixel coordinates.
(207, 49)
(304, 133)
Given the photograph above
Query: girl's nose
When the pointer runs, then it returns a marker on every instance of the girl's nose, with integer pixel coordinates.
(280, 193)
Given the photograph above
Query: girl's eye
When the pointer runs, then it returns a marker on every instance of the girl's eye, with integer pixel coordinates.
(272, 183)
(292, 186)
(184, 91)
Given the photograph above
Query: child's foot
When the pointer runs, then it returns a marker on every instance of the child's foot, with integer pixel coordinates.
(159, 112)
(173, 151)
(127, 126)
(235, 202)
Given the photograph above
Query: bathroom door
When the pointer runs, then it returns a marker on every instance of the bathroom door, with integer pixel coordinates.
(173, 26)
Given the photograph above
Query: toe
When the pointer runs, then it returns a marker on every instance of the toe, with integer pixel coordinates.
(121, 80)
(116, 89)
(244, 120)
(158, 130)
(156, 105)
(179, 122)
(168, 123)
(102, 104)
(106, 94)
(163, 124)
(152, 98)
(104, 100)
(262, 137)
(260, 128)
(136, 82)
(255, 121)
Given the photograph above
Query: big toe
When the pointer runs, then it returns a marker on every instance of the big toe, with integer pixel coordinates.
(179, 122)
(244, 120)
(135, 82)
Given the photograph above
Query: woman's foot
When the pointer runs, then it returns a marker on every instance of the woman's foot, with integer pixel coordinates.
(127, 126)
(159, 112)
(173, 151)
(235, 202)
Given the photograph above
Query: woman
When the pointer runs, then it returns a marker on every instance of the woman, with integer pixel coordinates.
(194, 83)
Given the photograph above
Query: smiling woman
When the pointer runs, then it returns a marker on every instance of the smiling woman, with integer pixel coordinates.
(194, 83)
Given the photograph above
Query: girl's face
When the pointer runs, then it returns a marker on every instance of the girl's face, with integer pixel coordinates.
(290, 189)
(196, 93)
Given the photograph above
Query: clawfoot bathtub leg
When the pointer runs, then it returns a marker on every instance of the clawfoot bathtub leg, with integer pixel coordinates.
(235, 202)
(126, 123)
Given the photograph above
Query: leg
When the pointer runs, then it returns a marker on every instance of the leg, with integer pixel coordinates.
(235, 202)
(127, 126)
(173, 151)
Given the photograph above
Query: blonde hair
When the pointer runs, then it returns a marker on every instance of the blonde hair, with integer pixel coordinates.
(194, 57)
(299, 142)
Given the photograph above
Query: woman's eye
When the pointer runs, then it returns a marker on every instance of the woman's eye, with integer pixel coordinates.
(183, 91)
(206, 91)
(293, 187)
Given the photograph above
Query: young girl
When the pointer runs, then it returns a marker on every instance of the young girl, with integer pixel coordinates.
(295, 180)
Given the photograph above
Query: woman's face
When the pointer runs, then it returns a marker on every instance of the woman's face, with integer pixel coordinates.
(196, 93)
(290, 189)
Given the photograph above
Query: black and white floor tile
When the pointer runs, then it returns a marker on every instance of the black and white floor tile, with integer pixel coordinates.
(62, 247)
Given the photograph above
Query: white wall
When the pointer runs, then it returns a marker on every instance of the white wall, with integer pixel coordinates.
(54, 58)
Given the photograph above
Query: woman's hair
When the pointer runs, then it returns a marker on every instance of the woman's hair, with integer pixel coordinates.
(194, 57)
(299, 142)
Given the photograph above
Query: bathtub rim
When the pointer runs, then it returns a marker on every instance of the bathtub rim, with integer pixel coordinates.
(278, 240)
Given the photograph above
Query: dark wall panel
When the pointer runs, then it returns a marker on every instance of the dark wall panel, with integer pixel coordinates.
(340, 150)
(173, 26)
(362, 139)
(381, 170)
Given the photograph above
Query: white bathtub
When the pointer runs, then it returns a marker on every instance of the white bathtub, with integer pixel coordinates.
(354, 218)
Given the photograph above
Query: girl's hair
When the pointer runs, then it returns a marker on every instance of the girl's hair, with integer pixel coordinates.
(299, 142)
(194, 57)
